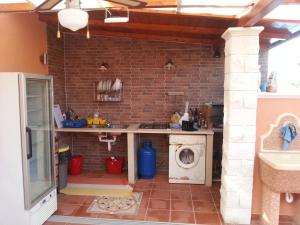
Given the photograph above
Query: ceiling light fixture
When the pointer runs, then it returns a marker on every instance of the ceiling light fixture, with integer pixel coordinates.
(72, 17)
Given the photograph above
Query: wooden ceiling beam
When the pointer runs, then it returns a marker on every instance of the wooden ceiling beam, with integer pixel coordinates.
(47, 5)
(16, 7)
(264, 44)
(144, 26)
(160, 3)
(170, 13)
(269, 35)
(280, 20)
(258, 12)
(153, 37)
(295, 35)
(176, 30)
(291, 2)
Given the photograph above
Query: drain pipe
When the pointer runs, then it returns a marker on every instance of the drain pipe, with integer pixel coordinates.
(105, 138)
(289, 198)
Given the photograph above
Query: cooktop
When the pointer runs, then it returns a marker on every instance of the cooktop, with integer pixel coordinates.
(154, 126)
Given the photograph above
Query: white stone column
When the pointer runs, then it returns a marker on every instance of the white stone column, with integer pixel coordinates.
(240, 102)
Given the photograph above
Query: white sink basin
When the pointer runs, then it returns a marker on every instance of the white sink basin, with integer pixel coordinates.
(288, 161)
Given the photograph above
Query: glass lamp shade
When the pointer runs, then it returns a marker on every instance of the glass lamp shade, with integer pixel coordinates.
(73, 19)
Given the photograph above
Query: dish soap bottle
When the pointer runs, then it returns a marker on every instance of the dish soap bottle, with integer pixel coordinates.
(185, 116)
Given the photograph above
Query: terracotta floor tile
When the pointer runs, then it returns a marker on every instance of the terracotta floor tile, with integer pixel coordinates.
(255, 217)
(159, 204)
(285, 218)
(205, 207)
(182, 217)
(71, 199)
(255, 222)
(181, 187)
(144, 203)
(207, 218)
(81, 211)
(66, 209)
(139, 216)
(158, 215)
(141, 180)
(162, 178)
(183, 205)
(202, 196)
(160, 194)
(215, 187)
(76, 224)
(146, 193)
(88, 200)
(53, 223)
(161, 186)
(143, 185)
(217, 205)
(200, 192)
(180, 195)
(216, 196)
(199, 187)
(109, 216)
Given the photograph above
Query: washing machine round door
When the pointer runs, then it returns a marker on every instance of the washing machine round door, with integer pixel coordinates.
(187, 156)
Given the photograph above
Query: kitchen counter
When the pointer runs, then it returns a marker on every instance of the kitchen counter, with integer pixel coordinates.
(133, 131)
(133, 128)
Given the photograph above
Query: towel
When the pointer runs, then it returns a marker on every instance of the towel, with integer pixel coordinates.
(288, 133)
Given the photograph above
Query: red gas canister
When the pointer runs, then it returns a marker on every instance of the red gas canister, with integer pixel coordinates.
(114, 165)
(75, 165)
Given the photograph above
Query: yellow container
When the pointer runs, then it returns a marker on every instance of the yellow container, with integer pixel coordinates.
(96, 121)
(90, 121)
(102, 121)
(64, 149)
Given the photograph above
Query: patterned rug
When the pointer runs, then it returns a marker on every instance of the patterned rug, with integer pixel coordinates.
(116, 204)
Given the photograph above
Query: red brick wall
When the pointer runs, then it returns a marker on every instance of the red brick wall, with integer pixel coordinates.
(263, 62)
(56, 66)
(140, 65)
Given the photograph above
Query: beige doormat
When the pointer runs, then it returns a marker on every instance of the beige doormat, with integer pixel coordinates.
(98, 190)
(116, 204)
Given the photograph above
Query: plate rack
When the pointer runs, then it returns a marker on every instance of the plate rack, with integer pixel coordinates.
(105, 91)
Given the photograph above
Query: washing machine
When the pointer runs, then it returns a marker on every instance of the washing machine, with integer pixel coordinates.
(187, 159)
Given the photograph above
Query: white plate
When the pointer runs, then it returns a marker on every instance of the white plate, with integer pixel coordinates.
(114, 86)
(108, 85)
(99, 86)
(118, 84)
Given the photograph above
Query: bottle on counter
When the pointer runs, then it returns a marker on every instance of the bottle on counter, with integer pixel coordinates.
(96, 119)
(90, 120)
(272, 82)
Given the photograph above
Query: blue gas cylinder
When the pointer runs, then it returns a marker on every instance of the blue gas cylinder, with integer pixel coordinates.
(147, 161)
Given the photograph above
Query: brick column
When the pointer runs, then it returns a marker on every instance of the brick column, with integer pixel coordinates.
(240, 102)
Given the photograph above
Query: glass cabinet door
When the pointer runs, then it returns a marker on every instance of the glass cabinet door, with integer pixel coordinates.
(39, 145)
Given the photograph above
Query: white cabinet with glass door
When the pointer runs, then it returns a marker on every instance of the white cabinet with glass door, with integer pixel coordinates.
(30, 102)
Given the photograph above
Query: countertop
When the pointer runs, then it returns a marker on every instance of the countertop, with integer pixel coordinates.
(133, 128)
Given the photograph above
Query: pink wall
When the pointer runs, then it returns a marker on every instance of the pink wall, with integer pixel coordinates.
(23, 39)
(267, 112)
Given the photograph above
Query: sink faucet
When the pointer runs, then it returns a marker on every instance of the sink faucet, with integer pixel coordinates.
(108, 124)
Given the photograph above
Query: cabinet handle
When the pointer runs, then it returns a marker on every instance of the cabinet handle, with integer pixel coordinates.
(28, 131)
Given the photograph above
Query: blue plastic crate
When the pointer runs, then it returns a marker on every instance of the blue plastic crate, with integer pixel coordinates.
(74, 123)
